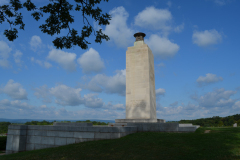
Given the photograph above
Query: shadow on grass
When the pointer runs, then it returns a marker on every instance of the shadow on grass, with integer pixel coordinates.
(220, 144)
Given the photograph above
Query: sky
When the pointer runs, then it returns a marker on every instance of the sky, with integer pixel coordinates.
(196, 61)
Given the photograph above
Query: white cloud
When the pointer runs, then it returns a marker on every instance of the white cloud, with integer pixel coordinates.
(169, 3)
(161, 46)
(39, 62)
(161, 65)
(179, 28)
(160, 91)
(35, 43)
(65, 59)
(206, 38)
(220, 2)
(115, 106)
(14, 90)
(16, 104)
(118, 30)
(4, 54)
(91, 61)
(90, 100)
(43, 92)
(152, 18)
(217, 98)
(66, 96)
(174, 104)
(210, 78)
(17, 57)
(112, 84)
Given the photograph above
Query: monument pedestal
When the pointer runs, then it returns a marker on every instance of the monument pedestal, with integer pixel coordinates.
(140, 121)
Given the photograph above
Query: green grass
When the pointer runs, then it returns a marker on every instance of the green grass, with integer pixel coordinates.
(219, 144)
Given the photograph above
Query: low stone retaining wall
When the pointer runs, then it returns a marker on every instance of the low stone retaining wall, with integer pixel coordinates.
(31, 137)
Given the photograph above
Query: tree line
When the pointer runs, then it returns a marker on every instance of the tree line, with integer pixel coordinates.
(215, 121)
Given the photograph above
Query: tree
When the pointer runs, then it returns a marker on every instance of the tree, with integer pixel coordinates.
(59, 19)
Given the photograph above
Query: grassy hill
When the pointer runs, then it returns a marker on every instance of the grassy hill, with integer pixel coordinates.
(222, 143)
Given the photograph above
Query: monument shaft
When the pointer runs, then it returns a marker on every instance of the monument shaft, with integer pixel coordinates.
(140, 82)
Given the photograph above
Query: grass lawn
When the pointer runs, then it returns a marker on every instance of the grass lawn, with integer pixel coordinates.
(219, 144)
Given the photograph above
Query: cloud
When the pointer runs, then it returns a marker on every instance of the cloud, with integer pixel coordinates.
(35, 43)
(17, 57)
(161, 65)
(209, 79)
(217, 98)
(15, 104)
(118, 30)
(65, 59)
(162, 47)
(43, 64)
(206, 38)
(90, 100)
(14, 90)
(160, 91)
(169, 3)
(179, 28)
(174, 103)
(66, 96)
(152, 18)
(4, 54)
(220, 2)
(43, 92)
(114, 106)
(113, 84)
(91, 61)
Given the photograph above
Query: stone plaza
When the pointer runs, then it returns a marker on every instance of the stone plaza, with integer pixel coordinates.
(140, 112)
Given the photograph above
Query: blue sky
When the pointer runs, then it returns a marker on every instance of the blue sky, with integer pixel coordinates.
(196, 58)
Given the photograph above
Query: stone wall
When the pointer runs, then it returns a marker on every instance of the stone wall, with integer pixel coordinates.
(31, 137)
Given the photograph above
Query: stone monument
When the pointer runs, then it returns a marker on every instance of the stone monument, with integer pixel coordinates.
(140, 83)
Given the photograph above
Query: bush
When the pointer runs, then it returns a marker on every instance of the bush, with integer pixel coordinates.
(3, 141)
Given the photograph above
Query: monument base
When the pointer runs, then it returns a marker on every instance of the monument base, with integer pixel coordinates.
(140, 121)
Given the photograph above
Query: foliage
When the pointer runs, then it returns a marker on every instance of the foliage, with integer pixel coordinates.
(39, 123)
(215, 121)
(3, 141)
(59, 19)
(93, 122)
(4, 127)
(219, 144)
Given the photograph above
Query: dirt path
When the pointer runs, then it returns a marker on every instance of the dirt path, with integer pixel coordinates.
(207, 131)
(2, 153)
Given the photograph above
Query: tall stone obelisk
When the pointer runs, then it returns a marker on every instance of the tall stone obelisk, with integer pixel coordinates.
(140, 81)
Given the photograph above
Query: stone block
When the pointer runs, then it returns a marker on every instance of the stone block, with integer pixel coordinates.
(9, 142)
(185, 125)
(16, 132)
(103, 135)
(53, 133)
(47, 140)
(187, 129)
(22, 143)
(71, 140)
(78, 140)
(15, 143)
(83, 135)
(73, 124)
(60, 141)
(34, 139)
(29, 147)
(66, 134)
(30, 132)
(40, 133)
(18, 127)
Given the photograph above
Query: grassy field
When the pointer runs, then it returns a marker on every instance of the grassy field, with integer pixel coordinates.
(219, 144)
